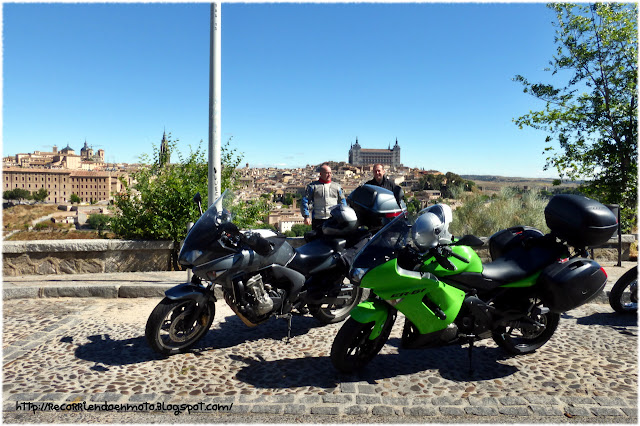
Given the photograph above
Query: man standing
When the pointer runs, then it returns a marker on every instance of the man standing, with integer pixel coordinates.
(322, 195)
(379, 179)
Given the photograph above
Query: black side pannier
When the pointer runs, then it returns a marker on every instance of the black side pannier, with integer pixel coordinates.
(569, 284)
(506, 240)
(580, 221)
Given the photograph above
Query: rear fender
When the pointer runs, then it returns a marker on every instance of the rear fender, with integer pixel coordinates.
(372, 311)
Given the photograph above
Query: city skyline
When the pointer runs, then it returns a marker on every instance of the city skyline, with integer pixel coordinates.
(300, 82)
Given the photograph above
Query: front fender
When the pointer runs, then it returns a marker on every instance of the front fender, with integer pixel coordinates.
(372, 311)
(190, 291)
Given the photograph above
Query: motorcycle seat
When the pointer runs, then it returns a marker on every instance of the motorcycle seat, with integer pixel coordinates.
(317, 255)
(513, 266)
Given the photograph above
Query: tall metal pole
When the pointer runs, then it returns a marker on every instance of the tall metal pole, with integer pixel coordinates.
(215, 89)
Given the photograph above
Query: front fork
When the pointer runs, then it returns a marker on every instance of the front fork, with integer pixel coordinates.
(372, 310)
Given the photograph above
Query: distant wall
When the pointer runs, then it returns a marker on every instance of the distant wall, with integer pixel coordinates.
(97, 256)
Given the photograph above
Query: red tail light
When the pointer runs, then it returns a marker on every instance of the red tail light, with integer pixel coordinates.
(605, 273)
(394, 214)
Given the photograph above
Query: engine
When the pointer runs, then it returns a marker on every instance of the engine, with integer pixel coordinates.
(477, 318)
(258, 297)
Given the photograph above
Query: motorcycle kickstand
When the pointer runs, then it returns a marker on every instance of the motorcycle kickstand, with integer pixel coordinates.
(288, 317)
(470, 340)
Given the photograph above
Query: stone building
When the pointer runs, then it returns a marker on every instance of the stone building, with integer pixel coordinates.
(61, 183)
(359, 156)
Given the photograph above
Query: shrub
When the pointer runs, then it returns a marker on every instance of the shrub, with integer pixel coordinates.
(483, 217)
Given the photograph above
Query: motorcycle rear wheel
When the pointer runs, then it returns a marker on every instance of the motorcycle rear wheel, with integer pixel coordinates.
(352, 349)
(332, 313)
(167, 332)
(621, 301)
(520, 341)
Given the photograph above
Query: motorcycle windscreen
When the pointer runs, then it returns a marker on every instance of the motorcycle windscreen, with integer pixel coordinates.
(200, 244)
(384, 245)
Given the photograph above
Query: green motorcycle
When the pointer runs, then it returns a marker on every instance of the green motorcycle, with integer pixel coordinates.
(448, 295)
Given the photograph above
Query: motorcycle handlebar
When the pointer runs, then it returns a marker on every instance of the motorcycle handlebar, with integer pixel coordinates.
(256, 242)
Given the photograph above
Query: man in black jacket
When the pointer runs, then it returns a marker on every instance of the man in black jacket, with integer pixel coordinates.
(379, 179)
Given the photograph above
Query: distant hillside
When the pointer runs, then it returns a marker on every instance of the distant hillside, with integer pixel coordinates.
(496, 183)
(509, 180)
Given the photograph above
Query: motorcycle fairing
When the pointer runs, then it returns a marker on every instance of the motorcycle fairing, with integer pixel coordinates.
(417, 287)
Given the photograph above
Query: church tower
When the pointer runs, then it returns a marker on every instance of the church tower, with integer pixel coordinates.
(165, 154)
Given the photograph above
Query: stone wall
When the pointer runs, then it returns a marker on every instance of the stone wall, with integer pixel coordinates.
(84, 256)
(96, 256)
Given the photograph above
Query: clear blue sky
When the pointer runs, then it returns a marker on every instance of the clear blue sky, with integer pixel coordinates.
(299, 81)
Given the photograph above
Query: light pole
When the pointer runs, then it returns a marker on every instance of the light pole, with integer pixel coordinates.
(215, 89)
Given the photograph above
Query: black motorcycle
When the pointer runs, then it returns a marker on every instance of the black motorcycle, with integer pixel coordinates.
(261, 275)
(623, 297)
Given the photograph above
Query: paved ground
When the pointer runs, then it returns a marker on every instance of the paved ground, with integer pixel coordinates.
(91, 352)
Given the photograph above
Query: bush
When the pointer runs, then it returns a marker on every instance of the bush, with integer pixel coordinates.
(483, 217)
(99, 222)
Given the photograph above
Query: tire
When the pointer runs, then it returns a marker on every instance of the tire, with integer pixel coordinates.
(625, 302)
(330, 314)
(352, 349)
(520, 341)
(166, 331)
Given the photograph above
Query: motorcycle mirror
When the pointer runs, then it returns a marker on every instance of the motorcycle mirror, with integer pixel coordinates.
(197, 198)
(469, 240)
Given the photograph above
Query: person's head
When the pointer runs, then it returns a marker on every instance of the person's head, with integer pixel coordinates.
(325, 172)
(378, 172)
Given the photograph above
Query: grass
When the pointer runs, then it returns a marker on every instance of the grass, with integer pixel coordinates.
(19, 217)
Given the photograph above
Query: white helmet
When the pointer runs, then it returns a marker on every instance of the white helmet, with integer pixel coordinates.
(427, 231)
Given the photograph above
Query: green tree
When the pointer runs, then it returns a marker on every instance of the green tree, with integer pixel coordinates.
(99, 222)
(159, 204)
(591, 111)
(18, 194)
(74, 199)
(299, 230)
(40, 195)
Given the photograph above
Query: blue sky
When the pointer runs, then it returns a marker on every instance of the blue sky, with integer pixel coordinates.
(299, 81)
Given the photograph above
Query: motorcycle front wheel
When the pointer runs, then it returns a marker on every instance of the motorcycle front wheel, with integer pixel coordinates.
(621, 300)
(332, 313)
(519, 340)
(169, 328)
(352, 349)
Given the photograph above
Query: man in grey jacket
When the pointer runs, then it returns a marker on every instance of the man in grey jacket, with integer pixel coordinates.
(319, 197)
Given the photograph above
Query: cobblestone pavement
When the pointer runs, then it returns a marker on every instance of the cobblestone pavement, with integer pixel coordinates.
(92, 352)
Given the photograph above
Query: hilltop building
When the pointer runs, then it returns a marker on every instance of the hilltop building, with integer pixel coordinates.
(88, 185)
(359, 156)
(66, 158)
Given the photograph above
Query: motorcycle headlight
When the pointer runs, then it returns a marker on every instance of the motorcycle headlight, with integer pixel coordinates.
(358, 273)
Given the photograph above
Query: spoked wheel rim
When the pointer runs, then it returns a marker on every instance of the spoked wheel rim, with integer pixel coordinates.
(175, 332)
(623, 297)
(362, 349)
(523, 336)
(528, 334)
(629, 301)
